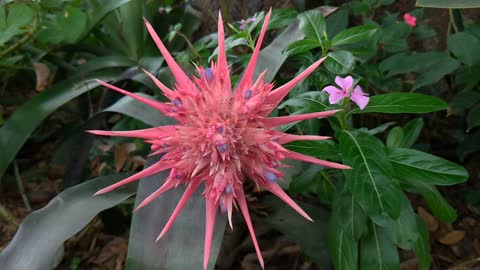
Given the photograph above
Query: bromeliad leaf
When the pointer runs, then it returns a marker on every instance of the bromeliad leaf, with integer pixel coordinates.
(403, 103)
(44, 231)
(378, 252)
(448, 3)
(370, 179)
(410, 164)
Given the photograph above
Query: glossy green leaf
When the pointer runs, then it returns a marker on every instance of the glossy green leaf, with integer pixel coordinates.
(326, 149)
(187, 234)
(448, 3)
(462, 101)
(395, 137)
(379, 129)
(422, 167)
(310, 236)
(403, 103)
(74, 24)
(133, 29)
(473, 117)
(370, 179)
(339, 62)
(412, 131)
(312, 24)
(16, 130)
(301, 46)
(312, 101)
(378, 252)
(422, 246)
(343, 248)
(403, 231)
(348, 215)
(44, 231)
(354, 35)
(435, 201)
(19, 15)
(465, 47)
(282, 17)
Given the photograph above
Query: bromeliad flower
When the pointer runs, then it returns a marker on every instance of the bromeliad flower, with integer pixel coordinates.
(222, 137)
(346, 90)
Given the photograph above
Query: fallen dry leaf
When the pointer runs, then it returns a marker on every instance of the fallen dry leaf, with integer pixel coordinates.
(431, 221)
(42, 73)
(451, 238)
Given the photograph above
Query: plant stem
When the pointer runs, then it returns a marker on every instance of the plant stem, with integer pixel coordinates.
(21, 189)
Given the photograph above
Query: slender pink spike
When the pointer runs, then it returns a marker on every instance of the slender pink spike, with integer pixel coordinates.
(186, 195)
(286, 138)
(298, 156)
(278, 191)
(166, 91)
(247, 77)
(282, 120)
(229, 211)
(242, 203)
(149, 133)
(275, 97)
(169, 183)
(155, 168)
(211, 213)
(222, 65)
(150, 102)
(180, 76)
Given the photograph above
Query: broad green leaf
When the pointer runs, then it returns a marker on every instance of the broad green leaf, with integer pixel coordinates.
(340, 62)
(403, 103)
(354, 35)
(465, 47)
(311, 237)
(422, 246)
(19, 15)
(448, 3)
(343, 248)
(133, 28)
(422, 167)
(312, 24)
(441, 69)
(348, 215)
(43, 232)
(412, 130)
(379, 129)
(378, 252)
(301, 46)
(395, 137)
(16, 130)
(337, 22)
(463, 100)
(312, 101)
(435, 201)
(326, 149)
(473, 117)
(3, 18)
(420, 62)
(282, 17)
(187, 234)
(403, 230)
(74, 24)
(370, 179)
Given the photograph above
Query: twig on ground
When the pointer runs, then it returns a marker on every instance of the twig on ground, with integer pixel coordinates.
(21, 189)
(4, 213)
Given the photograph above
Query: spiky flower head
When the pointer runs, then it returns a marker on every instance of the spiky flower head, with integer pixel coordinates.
(222, 138)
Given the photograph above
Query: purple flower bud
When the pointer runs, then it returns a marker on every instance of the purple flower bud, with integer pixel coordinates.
(177, 102)
(270, 176)
(228, 189)
(222, 147)
(248, 94)
(209, 76)
(220, 129)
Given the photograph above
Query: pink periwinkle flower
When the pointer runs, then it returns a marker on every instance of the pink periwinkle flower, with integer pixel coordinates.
(346, 90)
(410, 20)
(222, 137)
(244, 23)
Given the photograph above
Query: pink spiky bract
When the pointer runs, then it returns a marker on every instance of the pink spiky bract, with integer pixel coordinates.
(222, 137)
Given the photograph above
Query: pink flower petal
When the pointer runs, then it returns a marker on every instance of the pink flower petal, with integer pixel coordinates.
(222, 66)
(169, 183)
(247, 77)
(282, 120)
(344, 83)
(211, 213)
(148, 133)
(275, 96)
(166, 91)
(359, 97)
(335, 95)
(242, 203)
(298, 156)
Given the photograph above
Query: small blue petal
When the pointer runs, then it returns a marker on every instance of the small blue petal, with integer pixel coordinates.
(270, 176)
(248, 94)
(228, 189)
(209, 74)
(222, 147)
(220, 129)
(177, 102)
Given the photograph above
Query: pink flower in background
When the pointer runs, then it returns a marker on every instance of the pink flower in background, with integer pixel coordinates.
(346, 90)
(410, 20)
(244, 23)
(222, 138)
